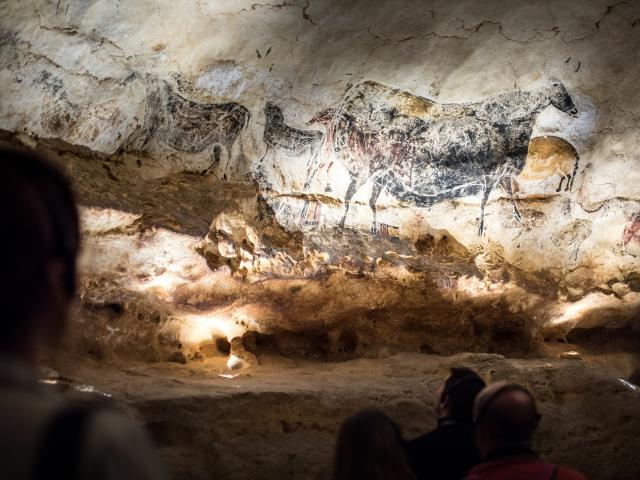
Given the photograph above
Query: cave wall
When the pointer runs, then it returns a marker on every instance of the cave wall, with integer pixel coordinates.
(336, 177)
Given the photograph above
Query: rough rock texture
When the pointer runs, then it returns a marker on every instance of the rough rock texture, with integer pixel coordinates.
(265, 182)
(337, 177)
(281, 421)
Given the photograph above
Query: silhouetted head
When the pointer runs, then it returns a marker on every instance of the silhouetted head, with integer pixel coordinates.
(561, 99)
(457, 394)
(505, 416)
(369, 447)
(39, 241)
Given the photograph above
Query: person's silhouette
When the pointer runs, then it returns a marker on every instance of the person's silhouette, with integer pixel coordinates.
(449, 451)
(41, 436)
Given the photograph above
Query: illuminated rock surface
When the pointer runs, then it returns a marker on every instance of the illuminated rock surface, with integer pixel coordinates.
(314, 174)
(338, 179)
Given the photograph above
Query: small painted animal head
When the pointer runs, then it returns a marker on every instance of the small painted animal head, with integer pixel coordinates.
(559, 98)
(273, 112)
(324, 117)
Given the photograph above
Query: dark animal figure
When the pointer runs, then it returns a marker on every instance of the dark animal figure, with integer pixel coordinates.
(425, 152)
(277, 134)
(193, 127)
(186, 125)
(294, 141)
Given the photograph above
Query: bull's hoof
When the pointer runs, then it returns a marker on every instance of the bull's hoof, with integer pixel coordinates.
(517, 214)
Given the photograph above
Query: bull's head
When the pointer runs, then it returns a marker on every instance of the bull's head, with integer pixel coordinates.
(324, 117)
(559, 98)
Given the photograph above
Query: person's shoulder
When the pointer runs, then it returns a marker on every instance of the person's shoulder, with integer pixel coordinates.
(446, 434)
(109, 427)
(524, 468)
(508, 467)
(107, 424)
(566, 473)
(119, 445)
(422, 440)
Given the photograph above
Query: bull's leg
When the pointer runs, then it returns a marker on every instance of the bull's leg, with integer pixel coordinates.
(559, 189)
(351, 191)
(303, 214)
(265, 155)
(224, 158)
(568, 185)
(215, 160)
(575, 171)
(485, 196)
(312, 168)
(375, 193)
(507, 184)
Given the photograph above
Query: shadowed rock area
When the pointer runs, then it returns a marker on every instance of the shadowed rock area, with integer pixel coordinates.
(281, 420)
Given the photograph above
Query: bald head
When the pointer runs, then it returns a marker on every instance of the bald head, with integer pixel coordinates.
(506, 416)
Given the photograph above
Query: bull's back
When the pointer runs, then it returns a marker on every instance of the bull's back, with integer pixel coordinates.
(370, 95)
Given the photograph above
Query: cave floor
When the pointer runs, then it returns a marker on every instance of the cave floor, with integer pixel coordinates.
(279, 419)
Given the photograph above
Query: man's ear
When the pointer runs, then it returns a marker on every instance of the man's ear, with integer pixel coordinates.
(443, 405)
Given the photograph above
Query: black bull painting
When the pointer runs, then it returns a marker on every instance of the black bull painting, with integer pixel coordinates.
(420, 151)
(424, 152)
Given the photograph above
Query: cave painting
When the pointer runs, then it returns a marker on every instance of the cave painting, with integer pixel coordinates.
(631, 236)
(186, 125)
(389, 231)
(311, 213)
(424, 152)
(548, 156)
(294, 141)
(193, 127)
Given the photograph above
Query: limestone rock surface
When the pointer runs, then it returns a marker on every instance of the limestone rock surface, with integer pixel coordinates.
(281, 420)
(337, 177)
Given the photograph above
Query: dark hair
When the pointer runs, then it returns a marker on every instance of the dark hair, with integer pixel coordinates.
(40, 224)
(509, 422)
(461, 388)
(369, 447)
